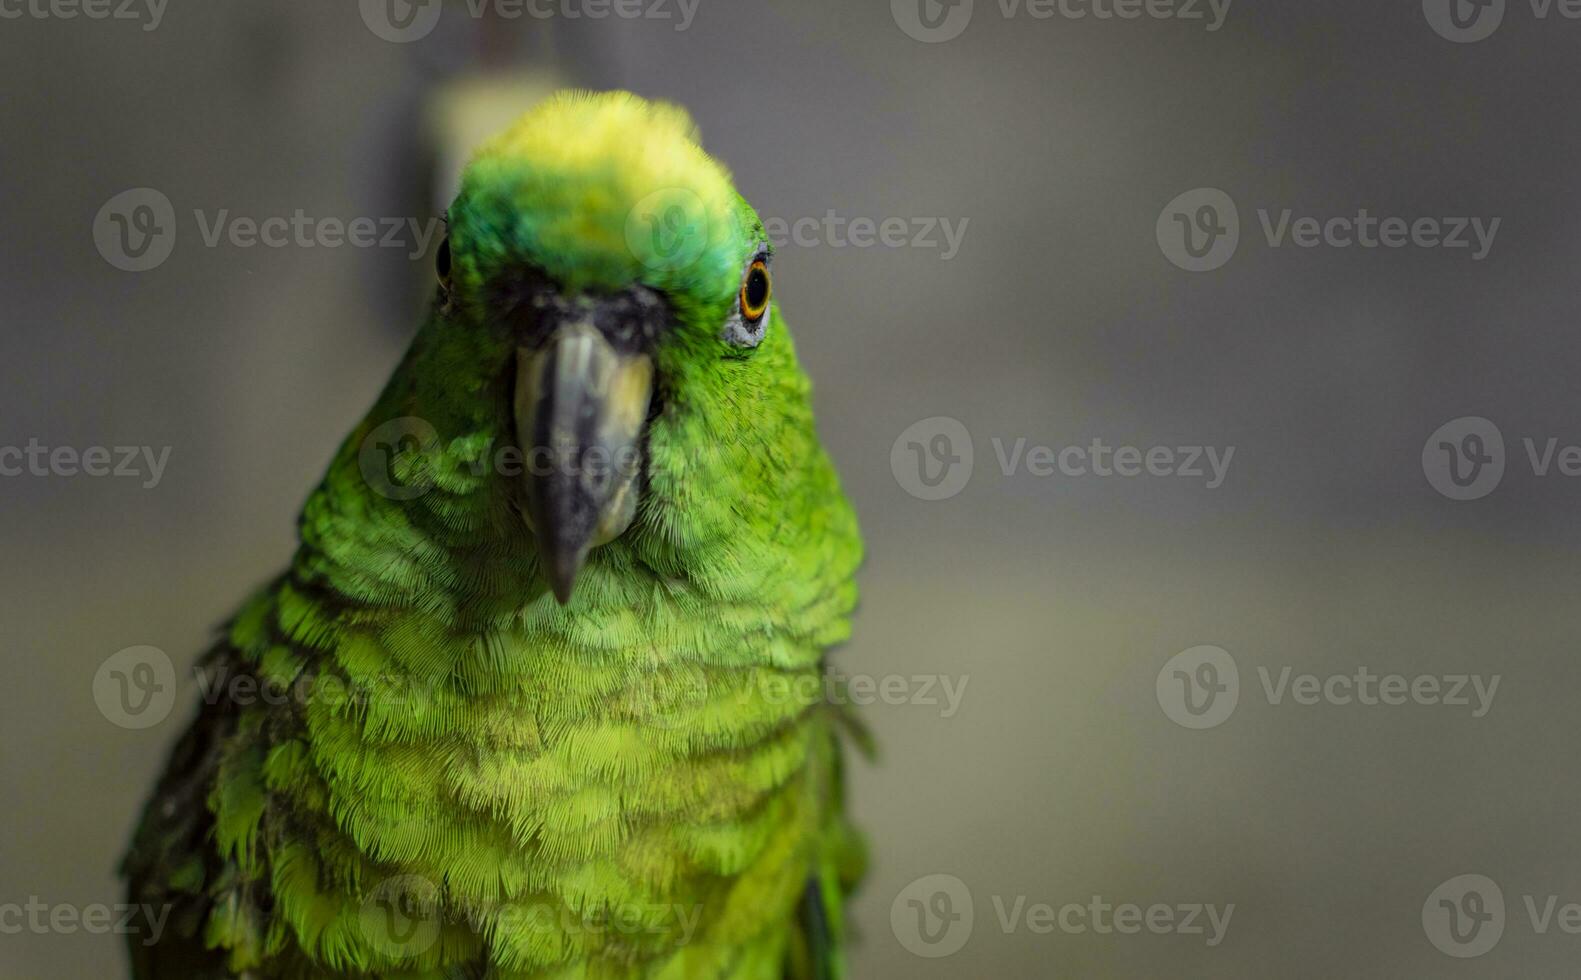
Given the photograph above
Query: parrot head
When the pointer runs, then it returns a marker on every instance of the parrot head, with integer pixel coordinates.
(605, 307)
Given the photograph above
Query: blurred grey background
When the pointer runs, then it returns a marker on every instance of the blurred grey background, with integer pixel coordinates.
(1056, 600)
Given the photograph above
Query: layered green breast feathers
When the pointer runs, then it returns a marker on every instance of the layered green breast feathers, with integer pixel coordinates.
(546, 668)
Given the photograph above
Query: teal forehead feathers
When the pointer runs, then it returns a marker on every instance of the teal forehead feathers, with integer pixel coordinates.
(600, 191)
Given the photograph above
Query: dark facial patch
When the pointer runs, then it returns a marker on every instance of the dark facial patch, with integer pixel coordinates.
(632, 320)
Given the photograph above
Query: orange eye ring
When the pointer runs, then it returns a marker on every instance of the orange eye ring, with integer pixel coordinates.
(756, 290)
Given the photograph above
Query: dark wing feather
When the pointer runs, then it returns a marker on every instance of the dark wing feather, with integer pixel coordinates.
(172, 865)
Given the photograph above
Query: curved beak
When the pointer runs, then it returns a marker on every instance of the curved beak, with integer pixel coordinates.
(580, 406)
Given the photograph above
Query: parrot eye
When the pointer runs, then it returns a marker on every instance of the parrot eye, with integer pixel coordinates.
(442, 264)
(745, 328)
(755, 291)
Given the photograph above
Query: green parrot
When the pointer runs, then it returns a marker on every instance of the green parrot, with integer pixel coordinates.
(542, 692)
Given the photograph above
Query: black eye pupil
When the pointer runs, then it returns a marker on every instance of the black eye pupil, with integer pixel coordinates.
(757, 289)
(442, 260)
